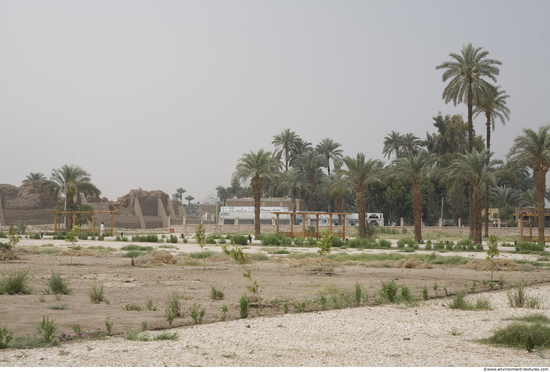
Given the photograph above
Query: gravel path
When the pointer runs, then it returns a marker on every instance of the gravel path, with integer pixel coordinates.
(383, 336)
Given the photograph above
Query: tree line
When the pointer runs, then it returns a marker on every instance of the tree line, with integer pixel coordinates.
(451, 171)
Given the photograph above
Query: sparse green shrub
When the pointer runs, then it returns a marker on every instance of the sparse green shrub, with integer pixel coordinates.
(150, 305)
(169, 316)
(520, 335)
(238, 239)
(324, 244)
(15, 281)
(401, 243)
(58, 285)
(242, 258)
(173, 239)
(311, 241)
(529, 246)
(151, 238)
(244, 306)
(299, 241)
(460, 302)
(216, 294)
(197, 313)
(96, 294)
(174, 304)
(301, 306)
(166, 336)
(407, 295)
(133, 307)
(439, 246)
(384, 243)
(221, 241)
(389, 291)
(210, 240)
(518, 297)
(200, 237)
(5, 336)
(336, 241)
(224, 313)
(132, 254)
(47, 328)
(276, 240)
(358, 293)
(59, 307)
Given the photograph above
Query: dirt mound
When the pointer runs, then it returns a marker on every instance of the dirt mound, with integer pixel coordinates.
(156, 259)
(501, 264)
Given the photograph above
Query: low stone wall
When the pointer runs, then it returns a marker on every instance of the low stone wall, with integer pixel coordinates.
(30, 216)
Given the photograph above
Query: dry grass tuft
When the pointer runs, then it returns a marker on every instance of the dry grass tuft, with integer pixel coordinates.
(501, 264)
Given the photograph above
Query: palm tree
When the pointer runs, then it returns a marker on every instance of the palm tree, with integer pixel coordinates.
(416, 169)
(70, 181)
(34, 177)
(502, 196)
(410, 144)
(189, 198)
(392, 144)
(467, 72)
(284, 145)
(528, 199)
(310, 162)
(329, 150)
(359, 174)
(475, 168)
(180, 191)
(494, 107)
(532, 149)
(300, 147)
(294, 183)
(256, 166)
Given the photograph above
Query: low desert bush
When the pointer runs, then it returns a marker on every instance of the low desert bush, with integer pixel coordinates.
(133, 307)
(174, 304)
(166, 336)
(460, 302)
(238, 239)
(134, 247)
(96, 294)
(151, 238)
(210, 240)
(173, 239)
(529, 246)
(5, 336)
(15, 281)
(276, 239)
(520, 335)
(47, 328)
(244, 305)
(518, 297)
(197, 313)
(58, 285)
(216, 294)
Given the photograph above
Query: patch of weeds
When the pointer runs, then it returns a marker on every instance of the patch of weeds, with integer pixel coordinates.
(169, 316)
(5, 336)
(460, 302)
(139, 248)
(144, 326)
(244, 305)
(59, 307)
(166, 336)
(174, 304)
(216, 294)
(15, 282)
(301, 306)
(202, 255)
(96, 294)
(108, 327)
(133, 307)
(47, 328)
(389, 291)
(41, 299)
(136, 336)
(519, 335)
(518, 297)
(197, 313)
(132, 254)
(224, 310)
(232, 355)
(149, 305)
(58, 297)
(58, 285)
(425, 295)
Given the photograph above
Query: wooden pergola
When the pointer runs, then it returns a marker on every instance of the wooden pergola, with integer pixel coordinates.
(531, 238)
(74, 213)
(316, 234)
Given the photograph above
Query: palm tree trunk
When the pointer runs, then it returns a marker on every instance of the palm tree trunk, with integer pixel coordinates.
(257, 191)
(488, 116)
(338, 207)
(477, 212)
(470, 148)
(540, 185)
(361, 210)
(311, 190)
(472, 213)
(293, 219)
(417, 211)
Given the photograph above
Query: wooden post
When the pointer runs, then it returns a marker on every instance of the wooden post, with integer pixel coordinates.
(344, 229)
(93, 220)
(317, 225)
(55, 221)
(112, 223)
(530, 229)
(330, 223)
(74, 219)
(521, 226)
(277, 214)
(304, 224)
(292, 225)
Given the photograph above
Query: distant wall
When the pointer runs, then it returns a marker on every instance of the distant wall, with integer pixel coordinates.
(31, 217)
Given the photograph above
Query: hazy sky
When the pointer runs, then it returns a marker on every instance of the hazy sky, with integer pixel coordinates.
(167, 94)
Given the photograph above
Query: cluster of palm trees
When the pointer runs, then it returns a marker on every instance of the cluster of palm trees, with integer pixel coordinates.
(453, 156)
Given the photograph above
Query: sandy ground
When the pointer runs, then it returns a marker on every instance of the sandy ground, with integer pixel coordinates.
(370, 335)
